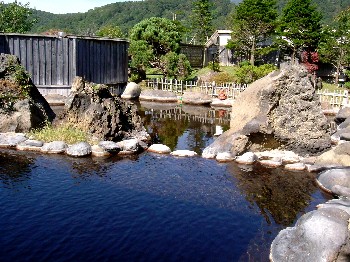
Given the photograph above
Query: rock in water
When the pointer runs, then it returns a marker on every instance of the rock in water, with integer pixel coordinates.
(22, 107)
(284, 106)
(92, 108)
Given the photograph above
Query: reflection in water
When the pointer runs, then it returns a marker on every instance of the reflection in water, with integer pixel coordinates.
(183, 126)
(14, 168)
(280, 195)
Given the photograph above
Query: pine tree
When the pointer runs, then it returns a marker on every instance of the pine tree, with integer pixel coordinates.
(299, 27)
(252, 22)
(202, 18)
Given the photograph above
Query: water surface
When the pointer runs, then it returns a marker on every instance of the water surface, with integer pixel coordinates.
(148, 207)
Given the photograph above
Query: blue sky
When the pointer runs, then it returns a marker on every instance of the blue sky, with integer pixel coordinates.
(65, 6)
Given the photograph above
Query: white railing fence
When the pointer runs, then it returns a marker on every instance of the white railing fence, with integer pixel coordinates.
(335, 99)
(232, 90)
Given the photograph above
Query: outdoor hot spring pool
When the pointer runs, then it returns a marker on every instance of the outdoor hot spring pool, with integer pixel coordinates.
(148, 207)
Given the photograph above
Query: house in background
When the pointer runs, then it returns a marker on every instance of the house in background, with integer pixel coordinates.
(216, 46)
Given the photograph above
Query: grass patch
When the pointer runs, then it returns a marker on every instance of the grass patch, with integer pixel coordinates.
(66, 133)
(331, 87)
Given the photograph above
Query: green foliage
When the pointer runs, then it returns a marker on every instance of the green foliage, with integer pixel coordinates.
(155, 42)
(223, 77)
(127, 14)
(202, 20)
(15, 18)
(14, 86)
(214, 65)
(251, 23)
(299, 27)
(110, 31)
(334, 46)
(247, 73)
(347, 85)
(176, 65)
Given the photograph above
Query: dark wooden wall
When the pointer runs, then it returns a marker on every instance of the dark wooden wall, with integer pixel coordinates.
(53, 62)
(194, 54)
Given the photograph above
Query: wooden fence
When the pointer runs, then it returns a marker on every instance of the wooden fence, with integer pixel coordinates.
(54, 61)
(335, 99)
(232, 90)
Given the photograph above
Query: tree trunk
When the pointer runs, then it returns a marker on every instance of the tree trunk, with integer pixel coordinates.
(252, 53)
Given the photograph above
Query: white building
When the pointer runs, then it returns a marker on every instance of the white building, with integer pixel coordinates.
(217, 44)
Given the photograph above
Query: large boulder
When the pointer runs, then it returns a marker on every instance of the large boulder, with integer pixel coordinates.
(132, 91)
(335, 180)
(233, 143)
(337, 156)
(196, 98)
(22, 107)
(92, 108)
(342, 115)
(284, 107)
(318, 236)
(158, 96)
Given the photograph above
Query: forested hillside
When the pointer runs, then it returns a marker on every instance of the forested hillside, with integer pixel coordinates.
(127, 14)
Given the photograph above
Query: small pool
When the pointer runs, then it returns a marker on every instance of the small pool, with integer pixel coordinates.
(148, 207)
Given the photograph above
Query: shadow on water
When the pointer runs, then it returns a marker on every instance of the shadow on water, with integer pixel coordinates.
(14, 168)
(281, 195)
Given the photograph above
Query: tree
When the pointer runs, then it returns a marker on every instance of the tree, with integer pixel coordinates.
(334, 47)
(15, 17)
(110, 31)
(253, 21)
(202, 20)
(299, 27)
(155, 42)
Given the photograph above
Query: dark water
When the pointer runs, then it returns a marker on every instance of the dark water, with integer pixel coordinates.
(148, 207)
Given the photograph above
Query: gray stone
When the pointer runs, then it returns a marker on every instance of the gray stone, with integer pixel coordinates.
(160, 149)
(229, 141)
(295, 166)
(158, 95)
(196, 98)
(94, 110)
(344, 124)
(30, 145)
(328, 179)
(275, 162)
(99, 151)
(129, 146)
(132, 91)
(183, 153)
(337, 156)
(55, 147)
(345, 136)
(110, 146)
(318, 236)
(224, 157)
(342, 115)
(343, 204)
(11, 139)
(247, 158)
(80, 149)
(315, 168)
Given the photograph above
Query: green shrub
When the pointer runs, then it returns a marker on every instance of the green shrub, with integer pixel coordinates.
(247, 73)
(223, 77)
(347, 85)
